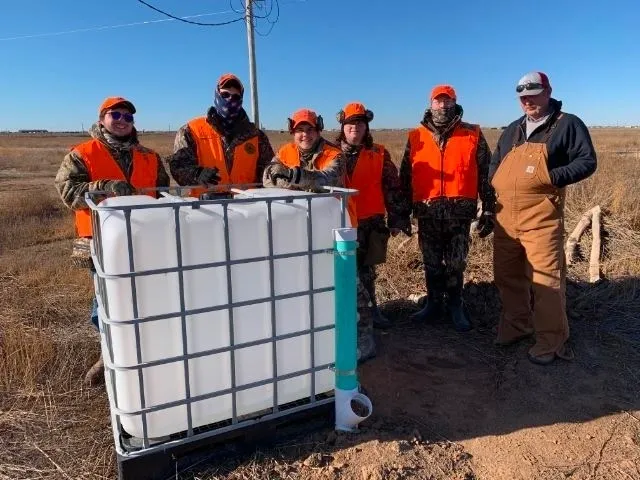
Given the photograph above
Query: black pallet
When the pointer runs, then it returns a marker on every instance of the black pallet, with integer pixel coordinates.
(164, 463)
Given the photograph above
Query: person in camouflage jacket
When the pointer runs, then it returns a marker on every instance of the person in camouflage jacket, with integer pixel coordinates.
(76, 176)
(437, 174)
(376, 179)
(192, 161)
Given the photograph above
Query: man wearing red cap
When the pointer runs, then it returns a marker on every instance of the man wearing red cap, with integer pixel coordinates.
(112, 161)
(537, 156)
(369, 170)
(443, 172)
(223, 147)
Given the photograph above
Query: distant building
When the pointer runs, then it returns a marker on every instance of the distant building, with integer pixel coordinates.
(33, 131)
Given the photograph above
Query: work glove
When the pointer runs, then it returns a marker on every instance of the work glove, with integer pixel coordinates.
(486, 224)
(208, 176)
(278, 171)
(118, 187)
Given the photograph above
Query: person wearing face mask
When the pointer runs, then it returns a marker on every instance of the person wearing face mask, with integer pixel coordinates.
(443, 172)
(310, 163)
(223, 147)
(113, 162)
(369, 170)
(536, 158)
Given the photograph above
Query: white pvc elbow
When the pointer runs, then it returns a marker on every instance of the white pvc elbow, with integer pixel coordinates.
(345, 400)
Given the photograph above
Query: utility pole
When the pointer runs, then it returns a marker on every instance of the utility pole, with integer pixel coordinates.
(252, 62)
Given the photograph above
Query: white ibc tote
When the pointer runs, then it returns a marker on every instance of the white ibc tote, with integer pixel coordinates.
(211, 358)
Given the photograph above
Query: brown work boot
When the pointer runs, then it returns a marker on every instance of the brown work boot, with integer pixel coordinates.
(95, 375)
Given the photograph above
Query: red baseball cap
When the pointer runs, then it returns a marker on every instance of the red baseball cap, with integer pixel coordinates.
(112, 102)
(443, 90)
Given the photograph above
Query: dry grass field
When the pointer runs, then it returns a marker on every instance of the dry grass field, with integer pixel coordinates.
(446, 406)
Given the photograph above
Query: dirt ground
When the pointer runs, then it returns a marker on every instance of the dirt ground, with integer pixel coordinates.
(446, 405)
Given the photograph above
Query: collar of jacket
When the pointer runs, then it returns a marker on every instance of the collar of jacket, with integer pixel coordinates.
(242, 127)
(555, 106)
(112, 142)
(427, 121)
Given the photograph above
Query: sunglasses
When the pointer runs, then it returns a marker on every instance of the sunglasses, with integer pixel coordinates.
(229, 95)
(529, 86)
(127, 117)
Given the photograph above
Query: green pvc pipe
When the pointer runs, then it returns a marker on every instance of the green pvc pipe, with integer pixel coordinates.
(344, 273)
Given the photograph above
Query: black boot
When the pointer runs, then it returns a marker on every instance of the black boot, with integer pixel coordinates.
(455, 305)
(434, 308)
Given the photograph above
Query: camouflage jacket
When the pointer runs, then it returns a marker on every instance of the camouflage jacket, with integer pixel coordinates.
(394, 199)
(73, 181)
(311, 179)
(443, 207)
(183, 163)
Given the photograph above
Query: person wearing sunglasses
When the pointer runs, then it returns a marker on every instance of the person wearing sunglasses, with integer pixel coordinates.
(113, 162)
(443, 172)
(536, 158)
(223, 147)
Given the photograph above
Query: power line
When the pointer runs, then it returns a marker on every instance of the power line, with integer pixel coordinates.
(107, 27)
(239, 19)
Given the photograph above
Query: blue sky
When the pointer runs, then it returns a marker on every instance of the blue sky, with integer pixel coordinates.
(321, 54)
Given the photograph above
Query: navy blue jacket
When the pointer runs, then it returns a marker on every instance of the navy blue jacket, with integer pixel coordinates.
(571, 156)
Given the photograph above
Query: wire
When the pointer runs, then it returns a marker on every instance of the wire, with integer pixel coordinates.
(240, 19)
(271, 22)
(107, 27)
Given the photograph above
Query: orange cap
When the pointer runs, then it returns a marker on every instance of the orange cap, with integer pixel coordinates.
(230, 78)
(443, 90)
(354, 110)
(304, 116)
(111, 102)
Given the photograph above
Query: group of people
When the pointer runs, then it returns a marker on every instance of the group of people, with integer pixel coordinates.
(446, 173)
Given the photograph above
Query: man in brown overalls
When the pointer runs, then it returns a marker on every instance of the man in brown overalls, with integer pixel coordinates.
(537, 156)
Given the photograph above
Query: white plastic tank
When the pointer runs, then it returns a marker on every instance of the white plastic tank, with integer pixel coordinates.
(153, 233)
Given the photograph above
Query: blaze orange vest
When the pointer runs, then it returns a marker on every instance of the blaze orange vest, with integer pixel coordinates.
(452, 173)
(367, 179)
(290, 156)
(102, 166)
(210, 153)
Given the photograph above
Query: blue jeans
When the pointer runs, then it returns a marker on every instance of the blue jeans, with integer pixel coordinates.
(94, 312)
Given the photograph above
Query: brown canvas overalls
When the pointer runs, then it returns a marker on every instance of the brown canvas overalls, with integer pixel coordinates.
(528, 250)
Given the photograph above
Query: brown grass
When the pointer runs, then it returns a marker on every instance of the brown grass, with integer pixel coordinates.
(50, 427)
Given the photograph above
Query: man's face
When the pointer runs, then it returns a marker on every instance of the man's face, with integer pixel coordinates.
(305, 135)
(118, 121)
(441, 102)
(355, 131)
(536, 106)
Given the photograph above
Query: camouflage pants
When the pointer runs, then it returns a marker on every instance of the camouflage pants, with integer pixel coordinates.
(445, 246)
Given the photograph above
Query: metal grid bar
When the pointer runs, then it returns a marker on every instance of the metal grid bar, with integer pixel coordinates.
(206, 353)
(196, 311)
(134, 297)
(311, 297)
(219, 393)
(183, 321)
(219, 431)
(272, 292)
(201, 266)
(227, 252)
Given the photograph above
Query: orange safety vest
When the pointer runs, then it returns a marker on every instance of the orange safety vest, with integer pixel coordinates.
(367, 179)
(210, 153)
(102, 166)
(452, 173)
(290, 156)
